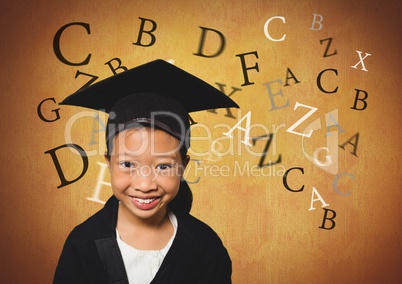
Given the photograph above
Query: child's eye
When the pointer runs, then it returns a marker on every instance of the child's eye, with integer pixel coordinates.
(126, 164)
(164, 166)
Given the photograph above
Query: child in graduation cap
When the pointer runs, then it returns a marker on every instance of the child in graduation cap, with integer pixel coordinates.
(144, 233)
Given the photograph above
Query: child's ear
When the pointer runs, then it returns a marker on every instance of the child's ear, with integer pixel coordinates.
(107, 159)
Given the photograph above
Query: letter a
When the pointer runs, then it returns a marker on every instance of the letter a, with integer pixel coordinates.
(95, 130)
(329, 117)
(247, 129)
(356, 140)
(319, 198)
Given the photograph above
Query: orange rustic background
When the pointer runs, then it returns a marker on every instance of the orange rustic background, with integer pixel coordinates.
(270, 233)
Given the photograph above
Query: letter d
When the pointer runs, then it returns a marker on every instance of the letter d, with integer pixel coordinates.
(62, 177)
(201, 46)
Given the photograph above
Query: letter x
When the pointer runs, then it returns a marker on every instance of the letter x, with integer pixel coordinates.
(361, 60)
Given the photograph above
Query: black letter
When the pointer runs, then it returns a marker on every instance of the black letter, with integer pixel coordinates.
(360, 99)
(94, 78)
(56, 45)
(292, 76)
(63, 179)
(124, 68)
(191, 120)
(261, 163)
(54, 110)
(201, 46)
(319, 81)
(285, 181)
(356, 138)
(330, 219)
(243, 65)
(153, 38)
(222, 89)
(326, 50)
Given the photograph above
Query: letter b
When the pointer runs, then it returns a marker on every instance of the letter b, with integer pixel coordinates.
(329, 219)
(361, 99)
(153, 38)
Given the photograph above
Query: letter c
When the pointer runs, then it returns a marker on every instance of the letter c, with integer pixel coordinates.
(285, 182)
(266, 28)
(335, 183)
(319, 81)
(56, 45)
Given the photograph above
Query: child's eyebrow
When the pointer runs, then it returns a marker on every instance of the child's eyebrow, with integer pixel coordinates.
(158, 155)
(174, 156)
(126, 154)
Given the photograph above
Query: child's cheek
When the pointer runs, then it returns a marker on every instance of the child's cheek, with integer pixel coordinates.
(120, 181)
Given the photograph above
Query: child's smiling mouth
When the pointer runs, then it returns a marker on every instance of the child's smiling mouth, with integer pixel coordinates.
(145, 203)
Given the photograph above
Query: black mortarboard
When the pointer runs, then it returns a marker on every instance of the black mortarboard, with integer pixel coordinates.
(156, 93)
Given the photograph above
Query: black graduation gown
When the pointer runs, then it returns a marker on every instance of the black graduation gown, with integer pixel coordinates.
(91, 253)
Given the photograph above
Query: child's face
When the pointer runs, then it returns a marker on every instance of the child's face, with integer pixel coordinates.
(146, 168)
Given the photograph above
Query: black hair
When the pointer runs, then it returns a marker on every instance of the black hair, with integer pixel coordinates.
(183, 201)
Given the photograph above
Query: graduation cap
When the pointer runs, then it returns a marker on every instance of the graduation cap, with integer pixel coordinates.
(156, 94)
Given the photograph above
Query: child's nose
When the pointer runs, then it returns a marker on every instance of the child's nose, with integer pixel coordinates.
(144, 179)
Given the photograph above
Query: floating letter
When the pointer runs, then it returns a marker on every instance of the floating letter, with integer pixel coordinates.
(56, 45)
(202, 41)
(266, 28)
(62, 177)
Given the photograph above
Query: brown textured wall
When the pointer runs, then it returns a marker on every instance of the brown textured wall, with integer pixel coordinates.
(269, 231)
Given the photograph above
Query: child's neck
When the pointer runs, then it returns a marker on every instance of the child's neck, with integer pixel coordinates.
(144, 234)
